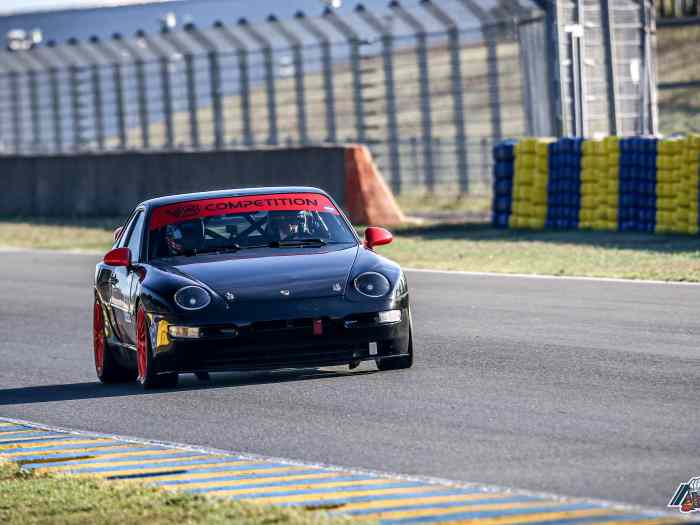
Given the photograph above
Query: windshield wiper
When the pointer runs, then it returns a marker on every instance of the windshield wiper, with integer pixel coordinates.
(288, 243)
(221, 249)
(300, 242)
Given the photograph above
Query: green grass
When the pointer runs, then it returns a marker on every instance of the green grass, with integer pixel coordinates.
(476, 247)
(463, 246)
(92, 235)
(460, 206)
(33, 499)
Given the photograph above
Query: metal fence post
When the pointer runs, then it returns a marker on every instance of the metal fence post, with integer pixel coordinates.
(116, 64)
(3, 74)
(611, 65)
(389, 93)
(527, 82)
(16, 111)
(15, 106)
(56, 109)
(96, 90)
(327, 67)
(295, 44)
(581, 59)
(457, 91)
(485, 159)
(415, 160)
(74, 92)
(424, 80)
(55, 94)
(30, 67)
(575, 32)
(190, 75)
(490, 34)
(166, 87)
(141, 88)
(266, 49)
(553, 54)
(214, 82)
(353, 40)
(648, 78)
(243, 78)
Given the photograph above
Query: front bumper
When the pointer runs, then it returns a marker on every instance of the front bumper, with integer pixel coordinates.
(290, 342)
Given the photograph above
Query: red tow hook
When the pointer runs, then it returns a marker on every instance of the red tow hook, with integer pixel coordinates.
(318, 326)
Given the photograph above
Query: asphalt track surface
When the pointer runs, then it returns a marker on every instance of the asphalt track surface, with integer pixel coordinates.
(581, 388)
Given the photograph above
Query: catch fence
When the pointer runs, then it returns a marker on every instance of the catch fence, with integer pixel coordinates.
(429, 89)
(679, 75)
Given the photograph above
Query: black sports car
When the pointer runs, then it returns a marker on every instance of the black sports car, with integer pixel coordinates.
(264, 278)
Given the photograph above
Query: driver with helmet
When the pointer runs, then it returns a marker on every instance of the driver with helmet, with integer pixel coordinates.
(286, 225)
(184, 237)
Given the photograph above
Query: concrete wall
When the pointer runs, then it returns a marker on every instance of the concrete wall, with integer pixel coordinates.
(112, 184)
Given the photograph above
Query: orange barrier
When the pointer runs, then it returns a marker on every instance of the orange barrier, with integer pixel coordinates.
(368, 200)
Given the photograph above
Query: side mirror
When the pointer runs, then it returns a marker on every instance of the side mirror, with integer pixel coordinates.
(118, 232)
(118, 257)
(377, 236)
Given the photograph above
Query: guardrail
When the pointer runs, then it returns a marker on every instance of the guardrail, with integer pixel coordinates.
(640, 184)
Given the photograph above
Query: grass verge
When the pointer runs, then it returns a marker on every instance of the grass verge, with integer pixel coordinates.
(459, 207)
(64, 234)
(27, 498)
(463, 246)
(479, 247)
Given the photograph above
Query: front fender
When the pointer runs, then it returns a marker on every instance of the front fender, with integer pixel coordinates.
(156, 292)
(153, 302)
(368, 261)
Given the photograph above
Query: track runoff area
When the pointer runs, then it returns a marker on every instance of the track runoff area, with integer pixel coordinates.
(385, 498)
(645, 376)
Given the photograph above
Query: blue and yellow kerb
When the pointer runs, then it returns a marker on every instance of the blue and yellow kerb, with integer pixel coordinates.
(638, 184)
(387, 499)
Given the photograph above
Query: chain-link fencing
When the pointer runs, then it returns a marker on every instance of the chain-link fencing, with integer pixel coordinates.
(429, 88)
(679, 75)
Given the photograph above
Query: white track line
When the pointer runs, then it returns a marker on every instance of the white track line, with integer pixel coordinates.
(550, 277)
(9, 249)
(357, 471)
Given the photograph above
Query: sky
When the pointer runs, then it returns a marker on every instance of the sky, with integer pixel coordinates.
(14, 6)
(57, 25)
(60, 26)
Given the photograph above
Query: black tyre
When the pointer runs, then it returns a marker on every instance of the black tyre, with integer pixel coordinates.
(108, 369)
(147, 375)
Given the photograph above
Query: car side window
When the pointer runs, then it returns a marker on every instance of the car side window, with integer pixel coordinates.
(121, 243)
(134, 236)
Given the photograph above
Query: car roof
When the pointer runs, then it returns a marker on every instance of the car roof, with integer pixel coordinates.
(239, 192)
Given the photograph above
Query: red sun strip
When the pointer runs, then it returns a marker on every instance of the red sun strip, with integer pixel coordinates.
(185, 211)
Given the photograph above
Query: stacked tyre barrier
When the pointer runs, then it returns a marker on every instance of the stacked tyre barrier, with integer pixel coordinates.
(599, 185)
(564, 190)
(503, 171)
(638, 184)
(530, 177)
(638, 158)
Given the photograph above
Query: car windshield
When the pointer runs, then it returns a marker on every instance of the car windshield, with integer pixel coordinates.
(230, 224)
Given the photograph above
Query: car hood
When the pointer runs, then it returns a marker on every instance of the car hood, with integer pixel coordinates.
(267, 274)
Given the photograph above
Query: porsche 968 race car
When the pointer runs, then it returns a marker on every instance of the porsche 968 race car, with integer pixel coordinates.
(266, 278)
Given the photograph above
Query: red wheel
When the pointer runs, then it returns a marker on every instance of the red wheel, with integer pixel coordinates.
(98, 339)
(142, 346)
(107, 366)
(146, 371)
